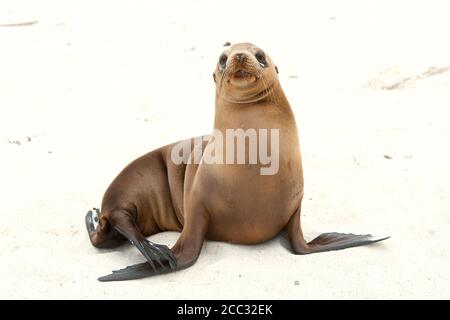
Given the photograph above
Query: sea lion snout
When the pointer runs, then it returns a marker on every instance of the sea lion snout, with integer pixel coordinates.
(240, 57)
(241, 66)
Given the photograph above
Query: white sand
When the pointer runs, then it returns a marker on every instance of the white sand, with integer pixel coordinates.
(96, 84)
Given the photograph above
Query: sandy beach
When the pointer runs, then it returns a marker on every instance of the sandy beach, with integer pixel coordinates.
(86, 87)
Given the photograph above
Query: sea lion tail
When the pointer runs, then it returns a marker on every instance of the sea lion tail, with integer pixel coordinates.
(338, 241)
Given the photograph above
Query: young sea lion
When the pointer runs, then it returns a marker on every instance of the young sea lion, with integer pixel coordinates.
(218, 201)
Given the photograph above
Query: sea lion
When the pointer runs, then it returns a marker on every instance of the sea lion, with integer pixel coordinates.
(218, 201)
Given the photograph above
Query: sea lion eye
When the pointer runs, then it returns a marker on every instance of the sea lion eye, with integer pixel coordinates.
(223, 60)
(261, 57)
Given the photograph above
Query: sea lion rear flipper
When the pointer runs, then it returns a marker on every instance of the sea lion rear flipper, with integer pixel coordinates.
(337, 241)
(158, 256)
(160, 259)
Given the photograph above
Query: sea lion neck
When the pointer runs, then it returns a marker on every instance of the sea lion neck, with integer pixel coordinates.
(271, 109)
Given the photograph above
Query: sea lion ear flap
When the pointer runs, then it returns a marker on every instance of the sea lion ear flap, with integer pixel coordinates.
(276, 69)
(214, 76)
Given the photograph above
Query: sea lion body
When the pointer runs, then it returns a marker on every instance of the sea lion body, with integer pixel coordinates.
(243, 205)
(217, 201)
(151, 189)
(248, 207)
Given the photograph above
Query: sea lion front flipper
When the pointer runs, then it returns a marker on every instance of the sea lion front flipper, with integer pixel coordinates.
(326, 241)
(337, 241)
(137, 271)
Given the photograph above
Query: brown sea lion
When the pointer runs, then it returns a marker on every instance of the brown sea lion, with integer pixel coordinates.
(218, 200)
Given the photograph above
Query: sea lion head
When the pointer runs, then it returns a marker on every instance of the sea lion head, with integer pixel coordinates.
(245, 73)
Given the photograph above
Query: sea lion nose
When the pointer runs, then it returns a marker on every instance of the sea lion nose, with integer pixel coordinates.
(240, 57)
